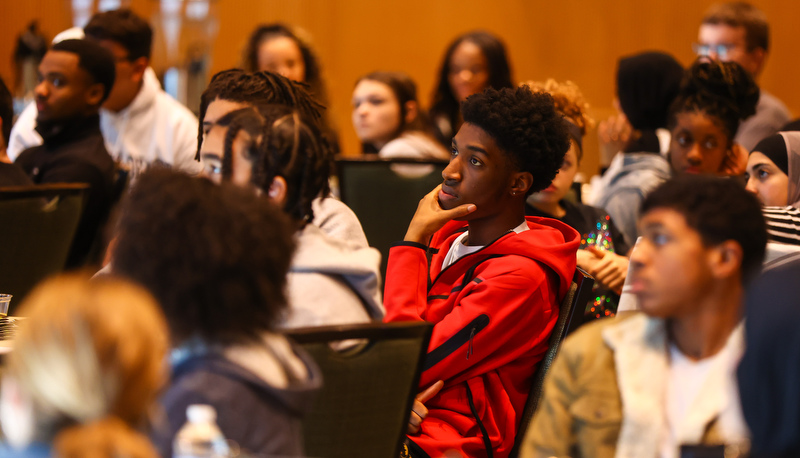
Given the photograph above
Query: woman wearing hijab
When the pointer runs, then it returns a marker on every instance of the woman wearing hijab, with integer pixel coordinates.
(647, 84)
(773, 175)
(773, 170)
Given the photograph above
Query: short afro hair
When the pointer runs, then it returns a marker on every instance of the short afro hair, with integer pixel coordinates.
(94, 59)
(524, 124)
(215, 257)
(124, 27)
(719, 209)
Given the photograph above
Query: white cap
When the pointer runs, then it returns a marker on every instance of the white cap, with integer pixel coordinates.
(75, 33)
(201, 413)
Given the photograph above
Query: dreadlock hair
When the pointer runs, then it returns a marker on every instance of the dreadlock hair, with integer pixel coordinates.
(262, 87)
(281, 144)
(722, 90)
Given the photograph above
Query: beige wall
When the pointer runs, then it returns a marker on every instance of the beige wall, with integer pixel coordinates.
(579, 40)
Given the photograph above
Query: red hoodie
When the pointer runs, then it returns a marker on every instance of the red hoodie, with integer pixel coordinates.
(493, 311)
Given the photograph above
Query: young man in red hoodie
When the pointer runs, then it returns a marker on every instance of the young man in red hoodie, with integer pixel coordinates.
(495, 279)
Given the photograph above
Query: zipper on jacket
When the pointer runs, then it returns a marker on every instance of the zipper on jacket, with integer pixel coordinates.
(471, 337)
(430, 283)
(464, 336)
(486, 442)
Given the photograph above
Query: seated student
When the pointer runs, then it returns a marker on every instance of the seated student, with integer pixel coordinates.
(644, 384)
(603, 248)
(232, 89)
(141, 124)
(496, 277)
(389, 121)
(285, 50)
(272, 149)
(647, 83)
(85, 371)
(472, 62)
(76, 77)
(10, 174)
(714, 99)
(773, 175)
(216, 257)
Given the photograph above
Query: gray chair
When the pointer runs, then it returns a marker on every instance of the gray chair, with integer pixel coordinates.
(570, 317)
(368, 390)
(383, 197)
(37, 229)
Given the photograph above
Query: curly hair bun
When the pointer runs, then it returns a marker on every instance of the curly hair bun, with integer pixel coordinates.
(725, 83)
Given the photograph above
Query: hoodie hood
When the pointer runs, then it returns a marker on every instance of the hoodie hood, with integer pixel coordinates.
(352, 268)
(549, 242)
(281, 370)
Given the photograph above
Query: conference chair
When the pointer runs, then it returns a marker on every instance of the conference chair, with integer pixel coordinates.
(384, 194)
(570, 317)
(37, 226)
(368, 389)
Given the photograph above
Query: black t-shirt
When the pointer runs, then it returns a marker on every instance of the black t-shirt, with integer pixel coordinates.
(596, 228)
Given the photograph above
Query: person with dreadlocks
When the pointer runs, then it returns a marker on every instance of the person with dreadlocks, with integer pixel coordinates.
(275, 150)
(233, 89)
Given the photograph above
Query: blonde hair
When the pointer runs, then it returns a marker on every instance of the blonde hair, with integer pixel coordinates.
(91, 356)
(568, 100)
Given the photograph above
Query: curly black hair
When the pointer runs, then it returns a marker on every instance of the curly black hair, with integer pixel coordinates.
(719, 209)
(722, 90)
(215, 257)
(526, 125)
(260, 87)
(285, 145)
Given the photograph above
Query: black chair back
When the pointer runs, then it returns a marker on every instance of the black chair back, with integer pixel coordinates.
(368, 390)
(37, 229)
(384, 194)
(570, 317)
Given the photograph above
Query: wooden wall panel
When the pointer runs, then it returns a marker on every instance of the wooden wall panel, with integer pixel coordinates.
(579, 40)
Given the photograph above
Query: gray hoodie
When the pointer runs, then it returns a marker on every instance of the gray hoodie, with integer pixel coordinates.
(332, 282)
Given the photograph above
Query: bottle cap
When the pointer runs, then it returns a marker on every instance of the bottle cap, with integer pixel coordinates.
(201, 413)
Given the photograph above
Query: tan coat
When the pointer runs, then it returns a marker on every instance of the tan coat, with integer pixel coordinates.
(581, 413)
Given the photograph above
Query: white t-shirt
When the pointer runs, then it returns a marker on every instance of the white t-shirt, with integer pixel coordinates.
(459, 248)
(687, 384)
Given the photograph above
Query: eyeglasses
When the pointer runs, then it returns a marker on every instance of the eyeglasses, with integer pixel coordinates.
(720, 50)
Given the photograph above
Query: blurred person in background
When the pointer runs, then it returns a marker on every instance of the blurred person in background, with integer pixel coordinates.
(603, 248)
(141, 124)
(389, 121)
(85, 371)
(739, 32)
(287, 51)
(472, 62)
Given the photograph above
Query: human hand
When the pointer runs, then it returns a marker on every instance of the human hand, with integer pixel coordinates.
(735, 161)
(613, 134)
(430, 217)
(418, 410)
(611, 269)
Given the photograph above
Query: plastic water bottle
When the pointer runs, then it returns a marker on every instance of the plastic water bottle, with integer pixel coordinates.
(200, 436)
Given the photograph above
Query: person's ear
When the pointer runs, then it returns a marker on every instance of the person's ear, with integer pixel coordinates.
(278, 190)
(520, 183)
(758, 56)
(725, 259)
(94, 95)
(412, 110)
(139, 67)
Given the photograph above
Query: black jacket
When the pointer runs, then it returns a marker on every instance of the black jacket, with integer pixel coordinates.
(74, 152)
